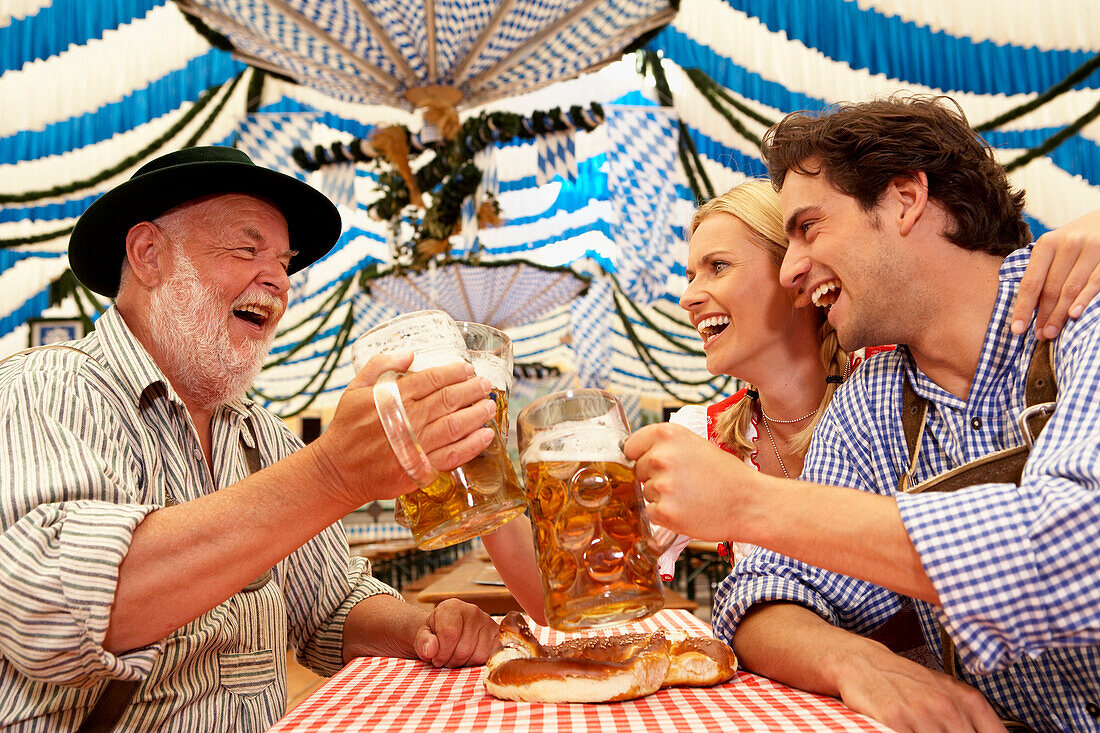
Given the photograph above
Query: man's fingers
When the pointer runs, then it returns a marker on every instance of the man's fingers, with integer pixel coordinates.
(447, 401)
(461, 452)
(419, 385)
(459, 630)
(379, 364)
(426, 644)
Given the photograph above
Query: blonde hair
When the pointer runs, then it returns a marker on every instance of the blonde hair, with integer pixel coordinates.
(756, 204)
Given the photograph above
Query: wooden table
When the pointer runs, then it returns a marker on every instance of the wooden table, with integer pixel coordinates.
(384, 695)
(476, 581)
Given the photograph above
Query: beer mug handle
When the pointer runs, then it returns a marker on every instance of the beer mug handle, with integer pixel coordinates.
(660, 539)
(399, 431)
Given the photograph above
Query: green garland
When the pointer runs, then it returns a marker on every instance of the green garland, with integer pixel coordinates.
(1054, 140)
(686, 348)
(327, 368)
(718, 98)
(336, 296)
(36, 238)
(451, 176)
(689, 154)
(129, 161)
(1076, 76)
(649, 362)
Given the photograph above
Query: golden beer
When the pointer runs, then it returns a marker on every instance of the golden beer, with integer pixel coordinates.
(484, 494)
(595, 550)
(466, 502)
(592, 543)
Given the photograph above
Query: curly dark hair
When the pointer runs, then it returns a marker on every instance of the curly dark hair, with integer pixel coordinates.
(861, 147)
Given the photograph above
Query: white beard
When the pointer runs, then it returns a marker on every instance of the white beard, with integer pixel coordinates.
(189, 326)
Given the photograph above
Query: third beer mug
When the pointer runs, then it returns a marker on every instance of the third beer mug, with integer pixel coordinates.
(483, 494)
(595, 548)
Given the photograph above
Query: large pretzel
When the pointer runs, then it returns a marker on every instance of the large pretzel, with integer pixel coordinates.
(600, 669)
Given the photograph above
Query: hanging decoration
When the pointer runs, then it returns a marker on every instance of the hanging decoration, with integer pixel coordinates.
(436, 56)
(642, 141)
(501, 293)
(556, 156)
(590, 325)
(428, 201)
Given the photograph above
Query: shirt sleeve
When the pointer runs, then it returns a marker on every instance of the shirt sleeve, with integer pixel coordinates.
(1017, 567)
(838, 456)
(69, 503)
(322, 584)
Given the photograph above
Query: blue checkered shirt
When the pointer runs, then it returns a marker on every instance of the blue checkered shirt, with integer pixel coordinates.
(1017, 568)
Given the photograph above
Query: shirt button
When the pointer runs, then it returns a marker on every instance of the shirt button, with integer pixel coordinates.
(976, 423)
(1093, 709)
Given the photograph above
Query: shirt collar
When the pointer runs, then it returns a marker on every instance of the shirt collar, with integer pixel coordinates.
(135, 367)
(999, 349)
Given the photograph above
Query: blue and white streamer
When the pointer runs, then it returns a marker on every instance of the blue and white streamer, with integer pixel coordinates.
(641, 171)
(557, 157)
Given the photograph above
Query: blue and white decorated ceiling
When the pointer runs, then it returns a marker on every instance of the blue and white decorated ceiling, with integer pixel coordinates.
(89, 91)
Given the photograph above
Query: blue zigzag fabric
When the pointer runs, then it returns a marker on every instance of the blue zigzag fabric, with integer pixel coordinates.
(642, 162)
(556, 156)
(338, 183)
(592, 317)
(269, 139)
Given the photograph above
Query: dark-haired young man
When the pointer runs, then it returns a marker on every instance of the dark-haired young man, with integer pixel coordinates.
(900, 220)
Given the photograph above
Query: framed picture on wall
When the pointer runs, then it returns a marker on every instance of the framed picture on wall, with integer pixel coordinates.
(45, 331)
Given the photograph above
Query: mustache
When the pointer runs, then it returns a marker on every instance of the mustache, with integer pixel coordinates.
(261, 299)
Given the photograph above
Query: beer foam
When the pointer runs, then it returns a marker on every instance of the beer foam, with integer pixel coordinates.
(436, 357)
(422, 359)
(576, 442)
(493, 368)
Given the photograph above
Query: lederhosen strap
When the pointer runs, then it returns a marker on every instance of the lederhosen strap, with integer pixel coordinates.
(1003, 466)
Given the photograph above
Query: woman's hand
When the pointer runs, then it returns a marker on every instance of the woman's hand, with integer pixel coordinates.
(1062, 277)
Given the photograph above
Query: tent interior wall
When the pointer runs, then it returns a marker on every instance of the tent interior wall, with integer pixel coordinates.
(90, 91)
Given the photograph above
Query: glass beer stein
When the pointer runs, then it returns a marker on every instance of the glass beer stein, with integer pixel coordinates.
(595, 549)
(478, 497)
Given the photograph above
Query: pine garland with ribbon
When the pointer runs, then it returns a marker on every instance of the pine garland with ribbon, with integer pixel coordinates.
(689, 155)
(37, 238)
(324, 372)
(650, 362)
(450, 176)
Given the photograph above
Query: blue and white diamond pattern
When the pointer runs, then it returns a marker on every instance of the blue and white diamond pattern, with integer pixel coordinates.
(486, 162)
(641, 169)
(269, 139)
(337, 181)
(557, 155)
(592, 316)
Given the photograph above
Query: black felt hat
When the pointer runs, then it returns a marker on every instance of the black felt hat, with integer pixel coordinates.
(97, 246)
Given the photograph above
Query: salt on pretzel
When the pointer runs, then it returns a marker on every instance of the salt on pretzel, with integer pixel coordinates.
(600, 668)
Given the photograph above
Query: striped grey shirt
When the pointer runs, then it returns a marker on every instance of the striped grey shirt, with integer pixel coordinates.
(89, 445)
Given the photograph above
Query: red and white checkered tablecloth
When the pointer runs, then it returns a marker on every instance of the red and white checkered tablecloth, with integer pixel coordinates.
(384, 695)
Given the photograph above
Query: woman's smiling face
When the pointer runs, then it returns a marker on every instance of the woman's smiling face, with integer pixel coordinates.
(733, 296)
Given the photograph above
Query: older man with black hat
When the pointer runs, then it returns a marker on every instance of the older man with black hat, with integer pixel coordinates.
(165, 539)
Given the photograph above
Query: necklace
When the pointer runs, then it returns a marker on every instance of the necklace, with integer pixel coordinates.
(771, 439)
(786, 422)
